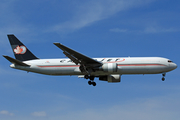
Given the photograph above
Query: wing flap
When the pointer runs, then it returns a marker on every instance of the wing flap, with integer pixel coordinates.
(14, 61)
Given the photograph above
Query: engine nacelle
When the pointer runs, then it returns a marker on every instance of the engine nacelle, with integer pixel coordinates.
(110, 67)
(111, 78)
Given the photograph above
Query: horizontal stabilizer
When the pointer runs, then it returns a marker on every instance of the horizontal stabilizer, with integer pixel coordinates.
(14, 61)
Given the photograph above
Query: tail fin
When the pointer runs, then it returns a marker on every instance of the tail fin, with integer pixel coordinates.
(21, 52)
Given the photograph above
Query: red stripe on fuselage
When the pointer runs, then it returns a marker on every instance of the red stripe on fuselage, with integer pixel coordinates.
(60, 66)
(140, 65)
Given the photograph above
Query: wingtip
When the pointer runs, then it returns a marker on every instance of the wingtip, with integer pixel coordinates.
(56, 43)
(3, 55)
(10, 35)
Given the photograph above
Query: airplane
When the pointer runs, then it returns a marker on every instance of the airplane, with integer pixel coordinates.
(106, 69)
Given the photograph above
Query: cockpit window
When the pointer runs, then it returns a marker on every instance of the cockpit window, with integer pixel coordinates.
(170, 61)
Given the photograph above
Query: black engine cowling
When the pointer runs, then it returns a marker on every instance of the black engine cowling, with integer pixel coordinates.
(109, 67)
(111, 78)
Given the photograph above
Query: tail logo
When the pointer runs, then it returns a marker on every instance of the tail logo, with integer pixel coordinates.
(20, 49)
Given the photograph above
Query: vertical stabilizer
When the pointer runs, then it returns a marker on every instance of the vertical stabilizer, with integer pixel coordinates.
(20, 51)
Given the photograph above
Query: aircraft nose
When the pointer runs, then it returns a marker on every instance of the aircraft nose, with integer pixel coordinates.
(174, 66)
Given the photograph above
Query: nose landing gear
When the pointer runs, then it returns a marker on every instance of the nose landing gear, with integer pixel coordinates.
(163, 78)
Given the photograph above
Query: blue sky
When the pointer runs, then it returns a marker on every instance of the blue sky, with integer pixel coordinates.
(96, 28)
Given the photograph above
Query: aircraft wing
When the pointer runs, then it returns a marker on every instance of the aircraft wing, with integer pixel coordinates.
(77, 57)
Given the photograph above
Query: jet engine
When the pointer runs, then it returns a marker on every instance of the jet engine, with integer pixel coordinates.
(109, 67)
(111, 78)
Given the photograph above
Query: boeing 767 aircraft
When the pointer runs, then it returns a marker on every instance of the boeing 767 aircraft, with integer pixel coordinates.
(106, 69)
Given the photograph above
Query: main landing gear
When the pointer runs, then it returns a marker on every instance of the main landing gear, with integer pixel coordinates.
(163, 78)
(91, 81)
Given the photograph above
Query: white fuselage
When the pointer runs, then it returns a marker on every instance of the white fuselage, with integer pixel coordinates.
(128, 65)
